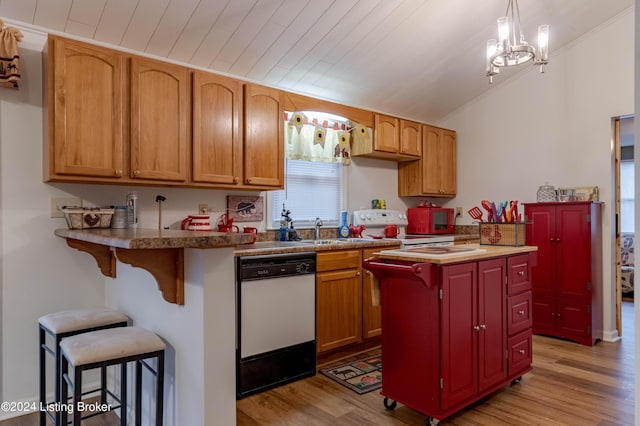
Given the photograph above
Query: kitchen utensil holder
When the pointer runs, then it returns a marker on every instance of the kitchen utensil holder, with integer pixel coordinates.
(503, 234)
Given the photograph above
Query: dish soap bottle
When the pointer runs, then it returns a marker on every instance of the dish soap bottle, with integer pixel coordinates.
(343, 230)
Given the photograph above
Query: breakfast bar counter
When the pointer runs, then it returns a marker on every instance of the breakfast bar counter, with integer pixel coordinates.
(195, 274)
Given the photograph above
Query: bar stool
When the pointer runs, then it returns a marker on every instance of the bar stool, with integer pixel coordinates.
(116, 346)
(61, 325)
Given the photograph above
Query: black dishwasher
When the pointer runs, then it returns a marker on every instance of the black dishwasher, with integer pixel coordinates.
(275, 320)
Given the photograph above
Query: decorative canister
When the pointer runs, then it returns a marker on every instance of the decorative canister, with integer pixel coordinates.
(546, 193)
(119, 217)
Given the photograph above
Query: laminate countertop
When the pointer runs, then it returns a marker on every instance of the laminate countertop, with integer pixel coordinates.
(154, 238)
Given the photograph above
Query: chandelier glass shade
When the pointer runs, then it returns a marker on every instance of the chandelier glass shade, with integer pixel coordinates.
(511, 48)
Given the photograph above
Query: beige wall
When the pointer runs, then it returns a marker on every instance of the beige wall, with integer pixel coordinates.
(553, 127)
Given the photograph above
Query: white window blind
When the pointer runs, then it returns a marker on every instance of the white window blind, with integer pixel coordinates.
(312, 189)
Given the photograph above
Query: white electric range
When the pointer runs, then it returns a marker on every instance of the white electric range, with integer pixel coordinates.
(376, 220)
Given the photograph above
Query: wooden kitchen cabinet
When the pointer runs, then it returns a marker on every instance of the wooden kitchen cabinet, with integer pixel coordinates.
(435, 173)
(263, 136)
(393, 139)
(371, 313)
(159, 117)
(217, 129)
(338, 299)
(121, 118)
(348, 300)
(567, 282)
(85, 100)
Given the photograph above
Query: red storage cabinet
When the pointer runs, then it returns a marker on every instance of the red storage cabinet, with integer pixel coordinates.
(567, 281)
(446, 337)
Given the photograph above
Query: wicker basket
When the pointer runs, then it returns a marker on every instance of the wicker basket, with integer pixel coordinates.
(85, 218)
(503, 234)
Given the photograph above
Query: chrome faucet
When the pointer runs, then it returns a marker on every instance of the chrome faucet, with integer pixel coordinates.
(318, 225)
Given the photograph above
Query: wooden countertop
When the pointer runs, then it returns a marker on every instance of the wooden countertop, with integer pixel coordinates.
(468, 252)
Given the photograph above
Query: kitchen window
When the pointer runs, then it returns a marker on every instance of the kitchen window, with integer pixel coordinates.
(311, 189)
(627, 196)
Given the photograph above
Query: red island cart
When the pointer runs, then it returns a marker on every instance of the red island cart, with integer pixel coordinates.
(453, 331)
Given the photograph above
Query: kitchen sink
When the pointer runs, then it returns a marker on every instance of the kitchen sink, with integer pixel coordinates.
(326, 241)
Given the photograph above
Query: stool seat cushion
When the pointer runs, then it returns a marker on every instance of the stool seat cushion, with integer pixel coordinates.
(80, 319)
(112, 343)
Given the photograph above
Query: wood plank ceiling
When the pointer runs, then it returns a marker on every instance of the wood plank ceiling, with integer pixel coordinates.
(419, 59)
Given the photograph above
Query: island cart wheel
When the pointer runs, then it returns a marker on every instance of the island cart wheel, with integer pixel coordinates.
(390, 404)
(431, 421)
(516, 380)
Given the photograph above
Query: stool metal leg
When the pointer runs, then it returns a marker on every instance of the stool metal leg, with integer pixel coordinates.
(160, 389)
(61, 415)
(77, 395)
(123, 394)
(138, 393)
(43, 375)
(58, 382)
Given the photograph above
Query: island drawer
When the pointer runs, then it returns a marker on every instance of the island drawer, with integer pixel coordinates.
(519, 313)
(518, 274)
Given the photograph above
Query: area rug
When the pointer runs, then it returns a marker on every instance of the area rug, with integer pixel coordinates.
(361, 376)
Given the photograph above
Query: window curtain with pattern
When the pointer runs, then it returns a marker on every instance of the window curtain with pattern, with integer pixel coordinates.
(317, 139)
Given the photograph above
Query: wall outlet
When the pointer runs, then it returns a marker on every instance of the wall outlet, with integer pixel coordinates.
(203, 208)
(56, 205)
(458, 211)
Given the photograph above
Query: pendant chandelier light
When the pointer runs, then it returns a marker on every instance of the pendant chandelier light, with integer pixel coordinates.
(511, 48)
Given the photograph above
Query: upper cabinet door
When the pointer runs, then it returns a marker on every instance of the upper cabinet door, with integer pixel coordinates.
(410, 138)
(159, 114)
(263, 136)
(217, 129)
(86, 110)
(438, 161)
(387, 136)
(448, 162)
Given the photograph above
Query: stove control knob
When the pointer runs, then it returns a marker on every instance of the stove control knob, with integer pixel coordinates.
(368, 216)
(361, 216)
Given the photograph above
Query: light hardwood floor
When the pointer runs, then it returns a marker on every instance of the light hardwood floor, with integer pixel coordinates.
(570, 384)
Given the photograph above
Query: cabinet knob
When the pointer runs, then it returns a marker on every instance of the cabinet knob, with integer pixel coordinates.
(418, 270)
(358, 274)
(136, 172)
(249, 180)
(483, 326)
(117, 172)
(236, 179)
(476, 327)
(522, 351)
(521, 273)
(521, 312)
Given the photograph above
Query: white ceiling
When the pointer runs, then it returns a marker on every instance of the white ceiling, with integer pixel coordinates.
(418, 59)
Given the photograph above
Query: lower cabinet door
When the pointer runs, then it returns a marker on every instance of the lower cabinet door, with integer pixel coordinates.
(338, 309)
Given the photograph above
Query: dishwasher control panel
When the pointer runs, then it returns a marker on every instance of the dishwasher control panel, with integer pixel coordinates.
(279, 265)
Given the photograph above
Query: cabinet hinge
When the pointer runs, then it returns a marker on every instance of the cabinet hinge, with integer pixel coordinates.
(506, 352)
(588, 286)
(441, 294)
(589, 330)
(588, 218)
(441, 383)
(589, 309)
(506, 279)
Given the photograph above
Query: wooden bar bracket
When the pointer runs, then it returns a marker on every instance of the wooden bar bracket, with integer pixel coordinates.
(102, 254)
(166, 265)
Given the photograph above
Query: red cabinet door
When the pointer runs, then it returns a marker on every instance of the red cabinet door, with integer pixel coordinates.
(492, 333)
(541, 232)
(459, 338)
(573, 250)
